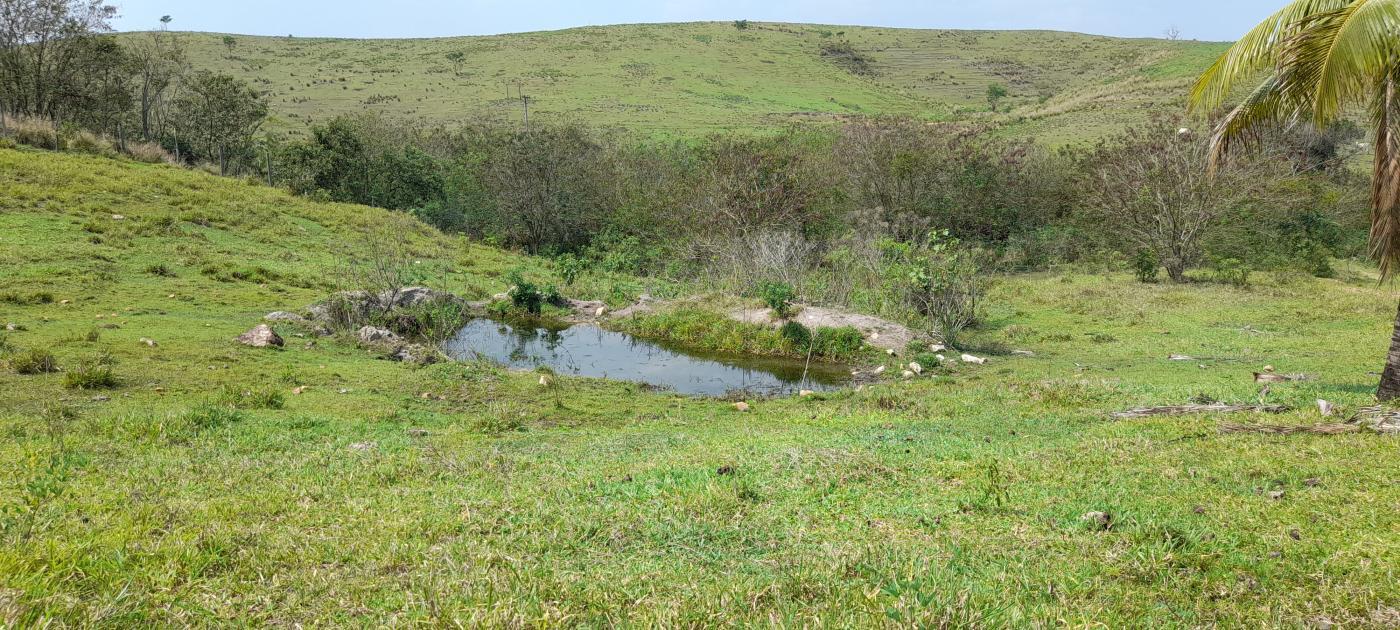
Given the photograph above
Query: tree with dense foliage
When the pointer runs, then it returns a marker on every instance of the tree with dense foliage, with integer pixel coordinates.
(1316, 59)
(219, 114)
(995, 93)
(44, 46)
(160, 61)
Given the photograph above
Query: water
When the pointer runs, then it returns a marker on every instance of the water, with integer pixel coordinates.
(593, 352)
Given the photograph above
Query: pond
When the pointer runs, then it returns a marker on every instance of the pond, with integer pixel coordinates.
(594, 352)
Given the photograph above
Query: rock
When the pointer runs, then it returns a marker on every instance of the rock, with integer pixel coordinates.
(11, 327)
(414, 353)
(941, 358)
(344, 391)
(1312, 482)
(1179, 357)
(907, 374)
(1098, 520)
(937, 347)
(546, 381)
(148, 341)
(362, 446)
(65, 302)
(299, 390)
(916, 368)
(880, 370)
(806, 393)
(373, 335)
(100, 399)
(418, 433)
(602, 310)
(1023, 353)
(118, 217)
(1268, 368)
(1325, 407)
(725, 471)
(741, 407)
(284, 316)
(890, 351)
(414, 296)
(261, 336)
(1276, 495)
(171, 296)
(967, 358)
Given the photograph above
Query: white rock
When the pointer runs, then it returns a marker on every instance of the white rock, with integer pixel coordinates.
(602, 310)
(967, 358)
(545, 380)
(741, 407)
(937, 347)
(880, 370)
(907, 374)
(890, 351)
(1325, 407)
(916, 368)
(806, 392)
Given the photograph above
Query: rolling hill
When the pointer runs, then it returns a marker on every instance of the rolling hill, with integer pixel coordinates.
(686, 79)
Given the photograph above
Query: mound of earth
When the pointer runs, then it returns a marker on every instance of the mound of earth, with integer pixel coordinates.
(881, 333)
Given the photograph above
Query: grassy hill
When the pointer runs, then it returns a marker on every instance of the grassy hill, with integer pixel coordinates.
(701, 77)
(171, 497)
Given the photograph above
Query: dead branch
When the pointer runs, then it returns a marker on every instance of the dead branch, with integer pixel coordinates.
(1274, 429)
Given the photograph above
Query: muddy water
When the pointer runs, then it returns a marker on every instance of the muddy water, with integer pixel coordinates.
(593, 352)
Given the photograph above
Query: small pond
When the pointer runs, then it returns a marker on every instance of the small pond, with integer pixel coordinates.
(594, 352)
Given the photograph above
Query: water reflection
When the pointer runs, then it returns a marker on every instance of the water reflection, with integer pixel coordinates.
(593, 352)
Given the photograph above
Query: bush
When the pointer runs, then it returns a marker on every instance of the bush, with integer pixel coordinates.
(838, 343)
(525, 295)
(35, 132)
(34, 361)
(149, 153)
(32, 299)
(88, 142)
(1145, 265)
(570, 267)
(91, 374)
(940, 279)
(778, 296)
(1231, 271)
(159, 269)
(798, 335)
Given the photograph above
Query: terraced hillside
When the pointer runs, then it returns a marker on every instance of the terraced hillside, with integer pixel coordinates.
(699, 77)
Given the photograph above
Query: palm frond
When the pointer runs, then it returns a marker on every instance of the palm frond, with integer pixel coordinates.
(1257, 50)
(1338, 57)
(1267, 106)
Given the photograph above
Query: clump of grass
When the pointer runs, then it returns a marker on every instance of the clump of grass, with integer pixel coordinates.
(31, 299)
(149, 153)
(91, 374)
(160, 270)
(33, 361)
(257, 398)
(35, 132)
(211, 416)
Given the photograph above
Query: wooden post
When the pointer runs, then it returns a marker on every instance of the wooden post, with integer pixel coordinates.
(525, 100)
(268, 153)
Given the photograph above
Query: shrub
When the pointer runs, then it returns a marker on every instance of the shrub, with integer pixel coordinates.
(211, 416)
(149, 153)
(796, 334)
(1231, 271)
(35, 132)
(778, 296)
(1145, 265)
(34, 361)
(940, 279)
(91, 374)
(159, 269)
(524, 294)
(742, 25)
(88, 142)
(570, 267)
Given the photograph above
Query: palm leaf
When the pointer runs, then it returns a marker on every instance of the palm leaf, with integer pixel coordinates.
(1338, 57)
(1267, 106)
(1257, 50)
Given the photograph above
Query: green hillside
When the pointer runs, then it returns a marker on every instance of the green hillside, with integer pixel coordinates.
(700, 77)
(206, 483)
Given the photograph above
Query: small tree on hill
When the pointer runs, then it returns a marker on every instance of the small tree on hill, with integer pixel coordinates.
(995, 93)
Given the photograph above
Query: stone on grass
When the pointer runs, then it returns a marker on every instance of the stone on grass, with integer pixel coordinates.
(806, 392)
(371, 334)
(261, 336)
(741, 406)
(284, 316)
(148, 341)
(916, 368)
(414, 353)
(967, 358)
(1098, 520)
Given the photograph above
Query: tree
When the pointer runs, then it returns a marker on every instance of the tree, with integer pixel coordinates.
(1318, 57)
(219, 114)
(160, 60)
(230, 43)
(995, 92)
(41, 44)
(456, 57)
(1151, 184)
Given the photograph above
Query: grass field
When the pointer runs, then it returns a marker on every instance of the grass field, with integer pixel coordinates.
(171, 498)
(686, 79)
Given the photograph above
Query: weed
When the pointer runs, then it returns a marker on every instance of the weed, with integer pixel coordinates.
(32, 299)
(778, 296)
(234, 397)
(93, 373)
(160, 270)
(33, 361)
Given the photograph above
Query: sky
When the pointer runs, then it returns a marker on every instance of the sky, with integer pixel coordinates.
(1216, 20)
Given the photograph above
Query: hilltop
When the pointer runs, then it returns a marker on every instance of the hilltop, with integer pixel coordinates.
(686, 79)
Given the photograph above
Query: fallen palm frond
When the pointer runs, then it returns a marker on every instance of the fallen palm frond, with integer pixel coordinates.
(1263, 377)
(1181, 410)
(1379, 419)
(1273, 429)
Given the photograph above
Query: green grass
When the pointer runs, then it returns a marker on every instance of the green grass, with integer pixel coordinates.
(687, 79)
(203, 491)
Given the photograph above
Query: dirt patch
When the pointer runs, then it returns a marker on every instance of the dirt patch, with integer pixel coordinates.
(881, 333)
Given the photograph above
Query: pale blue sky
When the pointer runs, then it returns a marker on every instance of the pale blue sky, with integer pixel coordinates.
(1196, 19)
